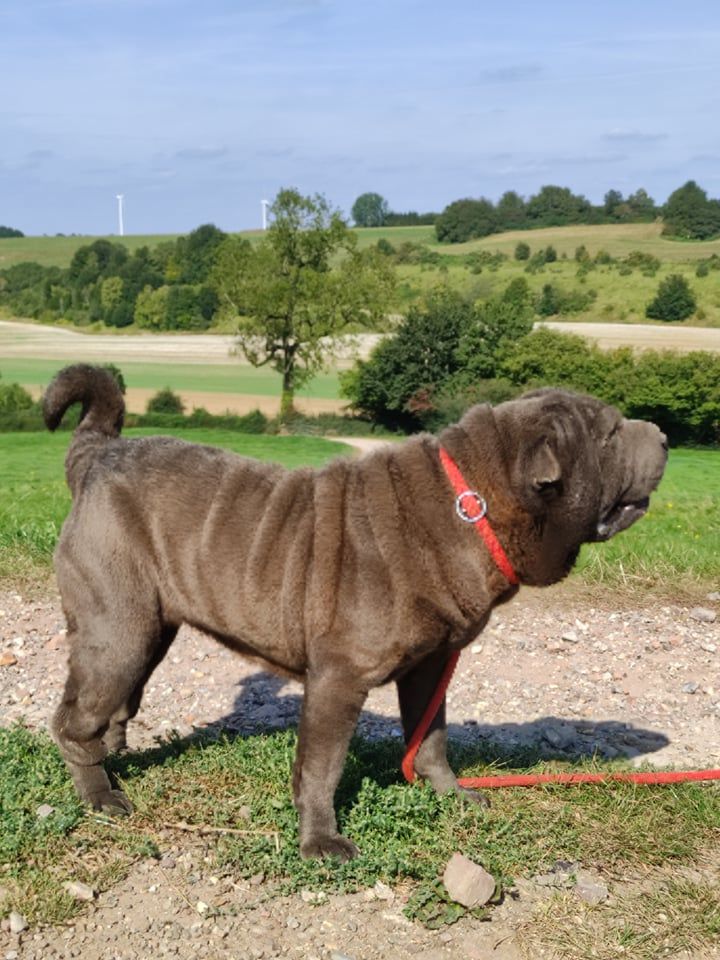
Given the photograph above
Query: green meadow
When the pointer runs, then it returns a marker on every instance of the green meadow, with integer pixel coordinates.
(211, 377)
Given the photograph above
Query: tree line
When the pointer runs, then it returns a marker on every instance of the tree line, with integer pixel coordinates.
(688, 213)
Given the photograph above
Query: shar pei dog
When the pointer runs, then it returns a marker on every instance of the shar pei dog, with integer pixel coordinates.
(357, 574)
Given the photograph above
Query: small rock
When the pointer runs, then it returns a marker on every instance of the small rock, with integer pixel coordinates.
(339, 956)
(81, 891)
(245, 813)
(691, 687)
(467, 882)
(44, 811)
(590, 888)
(7, 659)
(570, 637)
(314, 897)
(714, 597)
(201, 906)
(382, 891)
(476, 648)
(708, 647)
(703, 614)
(18, 923)
(559, 876)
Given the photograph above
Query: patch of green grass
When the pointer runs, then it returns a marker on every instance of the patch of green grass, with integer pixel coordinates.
(676, 542)
(674, 916)
(34, 498)
(213, 378)
(405, 833)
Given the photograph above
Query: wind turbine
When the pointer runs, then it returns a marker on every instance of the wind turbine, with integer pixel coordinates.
(121, 229)
(264, 204)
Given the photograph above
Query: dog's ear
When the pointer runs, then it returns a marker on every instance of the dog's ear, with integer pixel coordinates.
(544, 470)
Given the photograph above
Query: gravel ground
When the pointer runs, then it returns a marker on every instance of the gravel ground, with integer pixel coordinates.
(550, 671)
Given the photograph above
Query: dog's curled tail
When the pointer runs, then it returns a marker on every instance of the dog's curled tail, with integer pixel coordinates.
(101, 416)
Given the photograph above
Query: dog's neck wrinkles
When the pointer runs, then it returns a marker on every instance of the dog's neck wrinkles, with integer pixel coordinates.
(477, 447)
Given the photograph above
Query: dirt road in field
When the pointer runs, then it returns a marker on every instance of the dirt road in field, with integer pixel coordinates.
(642, 336)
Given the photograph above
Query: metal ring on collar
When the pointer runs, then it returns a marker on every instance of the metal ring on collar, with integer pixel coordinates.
(461, 511)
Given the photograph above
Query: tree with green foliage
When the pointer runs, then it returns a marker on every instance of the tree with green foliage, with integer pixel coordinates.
(370, 210)
(674, 300)
(690, 215)
(556, 206)
(522, 251)
(404, 369)
(301, 287)
(511, 211)
(195, 253)
(466, 220)
(7, 233)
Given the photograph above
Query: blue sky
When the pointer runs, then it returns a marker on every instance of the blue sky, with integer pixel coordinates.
(196, 111)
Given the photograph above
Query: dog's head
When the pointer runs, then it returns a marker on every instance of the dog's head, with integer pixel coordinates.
(579, 469)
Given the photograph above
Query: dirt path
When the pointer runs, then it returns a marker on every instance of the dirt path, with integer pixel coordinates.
(566, 676)
(19, 339)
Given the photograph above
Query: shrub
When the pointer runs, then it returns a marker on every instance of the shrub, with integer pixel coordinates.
(674, 300)
(14, 398)
(522, 251)
(385, 247)
(702, 269)
(581, 253)
(550, 254)
(553, 300)
(165, 401)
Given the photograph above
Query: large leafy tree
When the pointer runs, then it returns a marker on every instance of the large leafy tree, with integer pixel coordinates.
(370, 210)
(689, 213)
(465, 220)
(299, 288)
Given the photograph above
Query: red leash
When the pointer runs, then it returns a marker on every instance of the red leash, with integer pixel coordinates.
(471, 508)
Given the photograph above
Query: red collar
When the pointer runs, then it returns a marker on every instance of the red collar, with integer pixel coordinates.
(472, 508)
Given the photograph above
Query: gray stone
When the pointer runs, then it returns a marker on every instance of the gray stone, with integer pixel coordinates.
(18, 923)
(570, 637)
(560, 876)
(703, 614)
(589, 888)
(467, 882)
(44, 811)
(79, 890)
(691, 687)
(714, 597)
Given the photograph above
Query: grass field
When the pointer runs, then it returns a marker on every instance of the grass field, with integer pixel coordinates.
(673, 548)
(210, 378)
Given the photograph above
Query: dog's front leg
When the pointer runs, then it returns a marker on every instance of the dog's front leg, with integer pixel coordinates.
(415, 690)
(330, 712)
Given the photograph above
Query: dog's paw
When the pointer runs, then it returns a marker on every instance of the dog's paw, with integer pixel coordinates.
(473, 796)
(113, 803)
(332, 845)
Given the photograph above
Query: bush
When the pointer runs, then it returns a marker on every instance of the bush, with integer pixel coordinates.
(553, 300)
(550, 254)
(702, 269)
(164, 402)
(14, 398)
(421, 355)
(674, 300)
(522, 251)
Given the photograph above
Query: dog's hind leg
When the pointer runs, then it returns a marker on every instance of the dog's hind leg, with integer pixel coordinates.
(116, 737)
(330, 712)
(111, 656)
(415, 690)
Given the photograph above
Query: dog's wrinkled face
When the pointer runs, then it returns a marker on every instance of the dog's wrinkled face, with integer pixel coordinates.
(580, 468)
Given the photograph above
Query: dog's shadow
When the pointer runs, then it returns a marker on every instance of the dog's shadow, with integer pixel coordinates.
(266, 704)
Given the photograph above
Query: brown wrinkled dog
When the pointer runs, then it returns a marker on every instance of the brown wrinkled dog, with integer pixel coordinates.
(345, 577)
